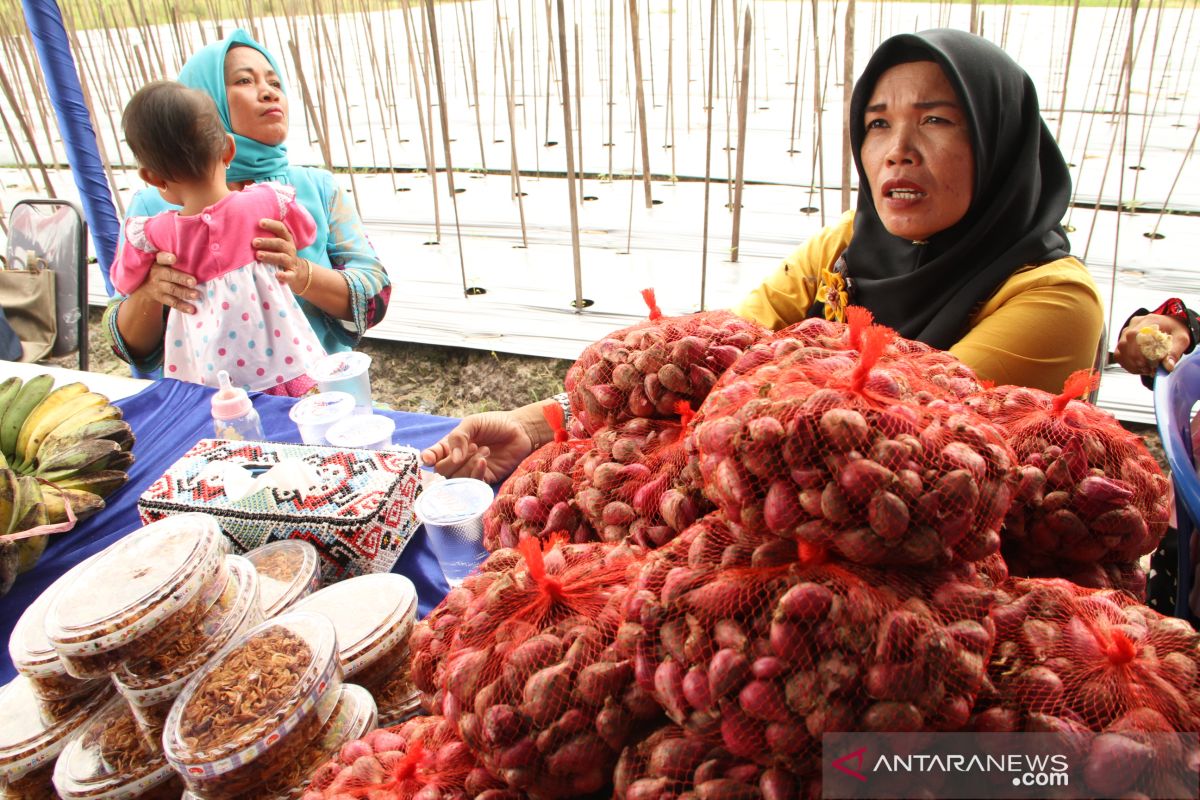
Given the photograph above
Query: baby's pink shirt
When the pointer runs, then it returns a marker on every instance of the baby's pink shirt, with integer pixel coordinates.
(213, 242)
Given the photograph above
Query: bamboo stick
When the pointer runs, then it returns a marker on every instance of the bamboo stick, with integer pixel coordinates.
(579, 108)
(306, 96)
(712, 39)
(28, 131)
(743, 100)
(818, 148)
(847, 91)
(641, 100)
(1154, 234)
(426, 132)
(573, 202)
(611, 143)
(514, 170)
(475, 87)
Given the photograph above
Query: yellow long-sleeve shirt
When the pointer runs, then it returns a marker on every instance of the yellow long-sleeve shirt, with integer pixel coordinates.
(1041, 325)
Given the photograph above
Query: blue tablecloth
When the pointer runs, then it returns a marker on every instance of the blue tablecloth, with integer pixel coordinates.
(168, 418)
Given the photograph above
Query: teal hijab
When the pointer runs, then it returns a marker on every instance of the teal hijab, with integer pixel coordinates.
(205, 70)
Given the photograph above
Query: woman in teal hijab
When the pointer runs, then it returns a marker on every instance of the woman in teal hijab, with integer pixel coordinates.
(341, 285)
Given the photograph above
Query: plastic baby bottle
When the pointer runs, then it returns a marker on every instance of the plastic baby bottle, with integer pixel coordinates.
(233, 414)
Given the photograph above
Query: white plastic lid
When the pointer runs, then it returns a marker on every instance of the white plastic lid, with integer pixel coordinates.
(135, 584)
(372, 614)
(322, 409)
(337, 366)
(453, 501)
(30, 649)
(361, 430)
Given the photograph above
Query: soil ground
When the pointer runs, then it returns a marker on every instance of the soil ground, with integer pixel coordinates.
(451, 381)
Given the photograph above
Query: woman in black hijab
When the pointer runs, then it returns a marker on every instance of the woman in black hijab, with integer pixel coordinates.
(956, 240)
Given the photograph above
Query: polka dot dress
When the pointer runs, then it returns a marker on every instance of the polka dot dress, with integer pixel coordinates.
(246, 322)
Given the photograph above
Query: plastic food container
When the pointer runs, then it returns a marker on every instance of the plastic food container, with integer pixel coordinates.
(151, 684)
(249, 713)
(315, 414)
(345, 372)
(353, 718)
(287, 571)
(34, 657)
(143, 592)
(29, 744)
(362, 432)
(107, 759)
(374, 616)
(452, 512)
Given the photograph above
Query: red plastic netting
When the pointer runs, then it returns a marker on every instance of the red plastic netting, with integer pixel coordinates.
(638, 481)
(672, 763)
(1128, 576)
(762, 645)
(422, 759)
(645, 370)
(836, 460)
(532, 679)
(537, 500)
(1089, 492)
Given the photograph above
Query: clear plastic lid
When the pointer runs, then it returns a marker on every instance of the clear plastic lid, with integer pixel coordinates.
(454, 500)
(337, 366)
(287, 571)
(324, 408)
(136, 584)
(352, 719)
(254, 692)
(31, 652)
(161, 676)
(372, 614)
(27, 740)
(362, 431)
(108, 758)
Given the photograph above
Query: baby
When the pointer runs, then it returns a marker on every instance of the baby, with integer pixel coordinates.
(247, 321)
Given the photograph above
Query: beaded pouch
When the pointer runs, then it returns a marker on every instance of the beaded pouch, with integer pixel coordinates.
(357, 510)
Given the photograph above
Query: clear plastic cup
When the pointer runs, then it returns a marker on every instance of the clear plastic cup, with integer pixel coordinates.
(288, 570)
(345, 372)
(29, 743)
(151, 684)
(316, 414)
(362, 432)
(138, 595)
(107, 759)
(249, 713)
(374, 616)
(452, 512)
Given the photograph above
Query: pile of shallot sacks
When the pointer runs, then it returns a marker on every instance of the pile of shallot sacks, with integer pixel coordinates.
(753, 539)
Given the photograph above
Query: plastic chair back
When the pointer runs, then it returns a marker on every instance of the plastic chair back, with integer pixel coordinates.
(55, 231)
(1175, 394)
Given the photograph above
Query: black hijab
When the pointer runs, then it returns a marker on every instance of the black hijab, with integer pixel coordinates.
(929, 291)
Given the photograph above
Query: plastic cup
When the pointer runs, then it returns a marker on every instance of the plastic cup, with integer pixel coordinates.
(316, 414)
(362, 432)
(345, 372)
(452, 512)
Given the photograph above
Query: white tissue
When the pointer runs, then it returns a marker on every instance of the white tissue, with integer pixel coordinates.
(293, 476)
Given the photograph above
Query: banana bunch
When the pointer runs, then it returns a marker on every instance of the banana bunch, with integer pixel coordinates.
(58, 447)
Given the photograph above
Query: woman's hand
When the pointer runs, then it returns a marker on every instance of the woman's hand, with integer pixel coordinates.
(280, 252)
(489, 446)
(1129, 353)
(167, 286)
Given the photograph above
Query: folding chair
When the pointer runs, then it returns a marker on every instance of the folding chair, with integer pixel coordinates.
(55, 231)
(1175, 394)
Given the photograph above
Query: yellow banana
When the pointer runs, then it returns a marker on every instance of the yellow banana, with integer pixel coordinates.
(89, 455)
(102, 483)
(8, 390)
(42, 421)
(25, 501)
(121, 460)
(30, 549)
(83, 504)
(32, 393)
(8, 491)
(84, 418)
(115, 430)
(43, 412)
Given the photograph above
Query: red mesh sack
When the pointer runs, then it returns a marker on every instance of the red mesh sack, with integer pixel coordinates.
(1089, 490)
(432, 636)
(537, 689)
(673, 763)
(1067, 656)
(762, 648)
(646, 369)
(639, 481)
(537, 500)
(1127, 576)
(846, 465)
(422, 758)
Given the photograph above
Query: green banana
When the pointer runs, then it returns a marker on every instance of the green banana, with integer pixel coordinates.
(84, 418)
(32, 393)
(102, 483)
(115, 430)
(9, 560)
(90, 455)
(83, 504)
(30, 549)
(43, 413)
(8, 390)
(43, 420)
(26, 499)
(121, 460)
(8, 492)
